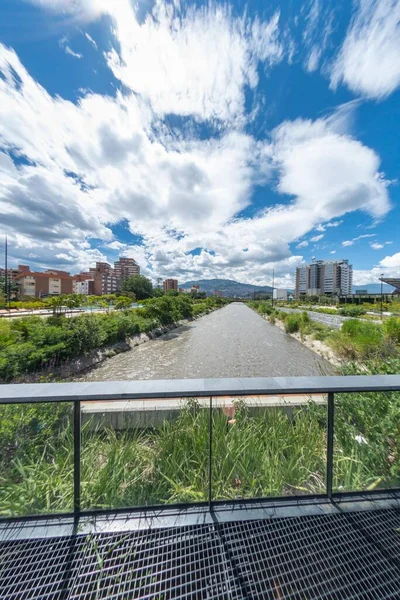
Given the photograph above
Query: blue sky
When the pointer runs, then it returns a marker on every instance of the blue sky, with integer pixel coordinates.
(204, 139)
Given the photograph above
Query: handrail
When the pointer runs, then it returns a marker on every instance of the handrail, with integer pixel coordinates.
(196, 388)
(193, 388)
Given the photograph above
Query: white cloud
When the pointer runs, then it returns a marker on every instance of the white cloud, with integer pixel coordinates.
(302, 244)
(334, 224)
(376, 246)
(112, 158)
(72, 53)
(192, 61)
(317, 238)
(67, 49)
(356, 239)
(391, 261)
(79, 10)
(369, 60)
(332, 252)
(91, 40)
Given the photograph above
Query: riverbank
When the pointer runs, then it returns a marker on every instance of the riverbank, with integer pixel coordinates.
(231, 342)
(365, 345)
(36, 349)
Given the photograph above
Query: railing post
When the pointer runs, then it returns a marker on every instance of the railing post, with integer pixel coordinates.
(77, 457)
(329, 446)
(210, 449)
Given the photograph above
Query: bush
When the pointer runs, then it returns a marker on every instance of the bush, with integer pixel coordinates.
(32, 343)
(292, 323)
(352, 311)
(391, 329)
(360, 340)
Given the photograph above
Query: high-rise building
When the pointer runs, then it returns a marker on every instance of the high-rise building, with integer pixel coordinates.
(170, 284)
(324, 278)
(124, 268)
(105, 281)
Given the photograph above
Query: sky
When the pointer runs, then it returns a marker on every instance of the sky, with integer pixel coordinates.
(204, 139)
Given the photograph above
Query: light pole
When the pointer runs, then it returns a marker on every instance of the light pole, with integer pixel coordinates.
(273, 282)
(381, 296)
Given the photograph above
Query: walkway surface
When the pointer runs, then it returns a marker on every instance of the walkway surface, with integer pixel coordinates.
(231, 342)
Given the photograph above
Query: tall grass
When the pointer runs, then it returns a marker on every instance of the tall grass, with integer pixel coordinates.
(270, 452)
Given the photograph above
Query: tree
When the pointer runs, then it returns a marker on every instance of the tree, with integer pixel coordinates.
(139, 285)
(123, 303)
(56, 303)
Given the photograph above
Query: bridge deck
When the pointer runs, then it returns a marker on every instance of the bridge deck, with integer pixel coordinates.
(308, 549)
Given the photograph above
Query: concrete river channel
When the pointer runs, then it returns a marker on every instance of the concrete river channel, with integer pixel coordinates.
(231, 342)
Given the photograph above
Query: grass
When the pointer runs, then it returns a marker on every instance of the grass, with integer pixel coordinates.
(358, 340)
(271, 452)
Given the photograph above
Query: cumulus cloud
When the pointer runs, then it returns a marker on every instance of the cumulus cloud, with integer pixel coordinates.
(72, 171)
(356, 239)
(376, 246)
(369, 60)
(317, 238)
(193, 61)
(302, 244)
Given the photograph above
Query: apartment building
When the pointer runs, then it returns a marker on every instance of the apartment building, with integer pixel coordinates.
(125, 267)
(47, 283)
(324, 278)
(170, 284)
(104, 279)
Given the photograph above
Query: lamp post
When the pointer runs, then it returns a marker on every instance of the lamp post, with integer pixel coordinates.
(273, 282)
(381, 296)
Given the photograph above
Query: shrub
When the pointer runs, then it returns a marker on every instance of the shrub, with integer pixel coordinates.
(352, 311)
(359, 340)
(292, 323)
(391, 329)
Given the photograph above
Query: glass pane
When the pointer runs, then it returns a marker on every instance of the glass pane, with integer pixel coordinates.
(367, 441)
(269, 446)
(144, 452)
(36, 459)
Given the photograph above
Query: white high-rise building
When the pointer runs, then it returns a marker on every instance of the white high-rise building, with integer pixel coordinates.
(324, 278)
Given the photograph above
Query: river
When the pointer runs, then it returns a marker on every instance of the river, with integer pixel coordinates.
(231, 342)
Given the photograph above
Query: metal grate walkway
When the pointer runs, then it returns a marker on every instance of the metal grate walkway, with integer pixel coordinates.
(337, 556)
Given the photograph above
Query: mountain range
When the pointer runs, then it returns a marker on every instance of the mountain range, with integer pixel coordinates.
(228, 287)
(231, 288)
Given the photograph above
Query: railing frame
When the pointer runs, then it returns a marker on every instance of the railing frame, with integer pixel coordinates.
(90, 392)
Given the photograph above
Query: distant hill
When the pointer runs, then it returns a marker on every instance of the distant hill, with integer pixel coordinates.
(228, 287)
(374, 288)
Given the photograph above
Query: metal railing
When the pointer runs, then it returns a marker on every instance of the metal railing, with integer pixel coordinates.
(77, 393)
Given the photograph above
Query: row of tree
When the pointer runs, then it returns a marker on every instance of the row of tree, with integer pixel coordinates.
(133, 288)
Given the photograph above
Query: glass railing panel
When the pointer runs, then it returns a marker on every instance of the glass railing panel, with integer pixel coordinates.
(269, 446)
(144, 452)
(367, 441)
(36, 459)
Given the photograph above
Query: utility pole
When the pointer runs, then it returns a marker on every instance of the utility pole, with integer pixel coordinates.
(381, 296)
(6, 291)
(273, 283)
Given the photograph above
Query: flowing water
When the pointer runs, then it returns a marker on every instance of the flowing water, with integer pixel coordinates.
(231, 342)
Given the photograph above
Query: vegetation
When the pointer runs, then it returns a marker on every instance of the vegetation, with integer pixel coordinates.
(30, 344)
(139, 285)
(266, 452)
(257, 452)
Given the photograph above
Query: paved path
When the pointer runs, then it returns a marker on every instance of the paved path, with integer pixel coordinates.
(334, 321)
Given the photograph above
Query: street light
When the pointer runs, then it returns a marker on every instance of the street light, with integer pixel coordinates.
(382, 296)
(273, 282)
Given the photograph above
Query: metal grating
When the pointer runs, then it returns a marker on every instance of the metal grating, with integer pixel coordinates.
(337, 556)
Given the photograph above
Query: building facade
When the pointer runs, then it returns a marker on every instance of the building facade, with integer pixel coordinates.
(124, 268)
(170, 284)
(42, 284)
(324, 278)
